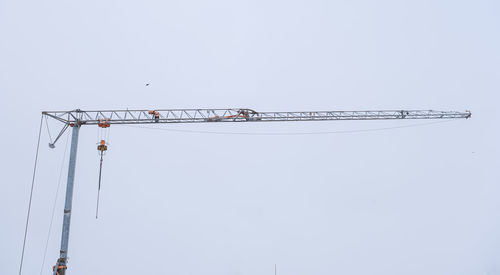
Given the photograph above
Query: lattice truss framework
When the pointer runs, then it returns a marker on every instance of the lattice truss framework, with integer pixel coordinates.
(82, 117)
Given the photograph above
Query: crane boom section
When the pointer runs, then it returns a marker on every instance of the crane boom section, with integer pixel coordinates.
(237, 115)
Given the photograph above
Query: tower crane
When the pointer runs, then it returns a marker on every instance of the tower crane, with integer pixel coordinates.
(75, 119)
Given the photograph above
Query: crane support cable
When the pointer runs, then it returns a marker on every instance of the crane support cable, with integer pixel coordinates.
(31, 196)
(48, 129)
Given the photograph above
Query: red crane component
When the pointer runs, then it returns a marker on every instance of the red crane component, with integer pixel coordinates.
(156, 115)
(102, 146)
(61, 268)
(104, 123)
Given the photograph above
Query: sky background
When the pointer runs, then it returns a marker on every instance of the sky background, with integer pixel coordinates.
(417, 200)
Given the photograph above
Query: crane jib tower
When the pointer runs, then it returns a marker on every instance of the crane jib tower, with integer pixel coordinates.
(75, 119)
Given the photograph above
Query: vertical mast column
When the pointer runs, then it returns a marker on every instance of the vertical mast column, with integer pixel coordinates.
(60, 267)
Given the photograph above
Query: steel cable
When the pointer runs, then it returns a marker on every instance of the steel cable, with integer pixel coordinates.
(48, 129)
(31, 195)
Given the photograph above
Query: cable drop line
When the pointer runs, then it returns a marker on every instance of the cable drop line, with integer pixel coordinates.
(99, 187)
(31, 195)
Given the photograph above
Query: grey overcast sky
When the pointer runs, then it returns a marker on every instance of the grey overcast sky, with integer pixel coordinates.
(418, 200)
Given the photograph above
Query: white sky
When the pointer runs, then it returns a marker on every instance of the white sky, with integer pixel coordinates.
(420, 200)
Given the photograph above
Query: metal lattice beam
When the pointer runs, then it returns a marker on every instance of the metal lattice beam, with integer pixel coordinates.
(237, 115)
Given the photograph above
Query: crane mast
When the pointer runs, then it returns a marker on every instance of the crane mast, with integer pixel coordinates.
(75, 119)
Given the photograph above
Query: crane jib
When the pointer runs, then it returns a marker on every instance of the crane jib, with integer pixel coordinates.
(237, 115)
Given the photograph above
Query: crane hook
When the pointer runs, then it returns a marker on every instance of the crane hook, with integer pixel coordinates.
(102, 147)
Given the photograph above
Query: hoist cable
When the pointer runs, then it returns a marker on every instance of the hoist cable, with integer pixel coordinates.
(99, 187)
(31, 195)
(108, 130)
(55, 203)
